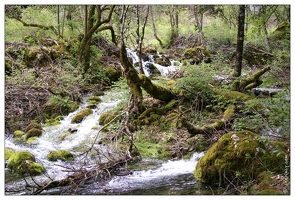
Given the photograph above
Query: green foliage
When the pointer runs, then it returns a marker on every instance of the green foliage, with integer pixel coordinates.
(218, 33)
(266, 115)
(196, 80)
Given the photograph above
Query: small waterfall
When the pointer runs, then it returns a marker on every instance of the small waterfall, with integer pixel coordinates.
(149, 64)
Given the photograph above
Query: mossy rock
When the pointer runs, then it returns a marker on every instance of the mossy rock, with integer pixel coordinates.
(81, 115)
(98, 93)
(33, 124)
(106, 117)
(24, 163)
(55, 121)
(18, 134)
(197, 54)
(34, 132)
(32, 140)
(244, 152)
(63, 155)
(164, 61)
(112, 73)
(94, 100)
(8, 153)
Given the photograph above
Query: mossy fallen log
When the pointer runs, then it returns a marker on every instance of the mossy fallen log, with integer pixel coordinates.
(135, 81)
(208, 129)
(250, 82)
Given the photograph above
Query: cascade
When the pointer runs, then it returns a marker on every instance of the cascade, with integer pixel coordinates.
(149, 64)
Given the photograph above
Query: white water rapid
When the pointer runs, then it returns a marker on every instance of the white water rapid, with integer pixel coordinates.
(147, 65)
(57, 137)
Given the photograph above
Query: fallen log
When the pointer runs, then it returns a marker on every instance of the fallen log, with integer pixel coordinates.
(208, 129)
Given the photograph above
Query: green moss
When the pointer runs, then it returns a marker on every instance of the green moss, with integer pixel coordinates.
(94, 100)
(198, 54)
(106, 117)
(234, 95)
(112, 73)
(24, 163)
(81, 115)
(32, 140)
(63, 155)
(33, 124)
(33, 132)
(18, 133)
(8, 153)
(52, 122)
(227, 156)
(265, 185)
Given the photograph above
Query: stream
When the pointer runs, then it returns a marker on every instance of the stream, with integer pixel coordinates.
(161, 178)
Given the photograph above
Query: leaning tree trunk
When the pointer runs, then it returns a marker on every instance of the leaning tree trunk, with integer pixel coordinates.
(137, 81)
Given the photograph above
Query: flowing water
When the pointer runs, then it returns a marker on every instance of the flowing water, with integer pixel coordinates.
(169, 177)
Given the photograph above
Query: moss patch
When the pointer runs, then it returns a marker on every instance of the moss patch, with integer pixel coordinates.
(81, 115)
(243, 152)
(63, 155)
(24, 163)
(8, 153)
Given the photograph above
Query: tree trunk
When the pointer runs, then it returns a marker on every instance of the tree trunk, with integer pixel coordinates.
(135, 81)
(240, 42)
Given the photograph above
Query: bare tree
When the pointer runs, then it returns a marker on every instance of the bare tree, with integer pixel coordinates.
(140, 37)
(154, 27)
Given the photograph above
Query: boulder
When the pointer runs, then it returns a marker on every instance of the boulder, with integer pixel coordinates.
(24, 163)
(244, 154)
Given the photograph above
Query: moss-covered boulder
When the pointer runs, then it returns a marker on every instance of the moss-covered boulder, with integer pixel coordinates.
(197, 54)
(33, 124)
(106, 117)
(93, 100)
(112, 73)
(63, 155)
(81, 115)
(34, 129)
(34, 132)
(8, 153)
(24, 163)
(18, 135)
(164, 61)
(244, 153)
